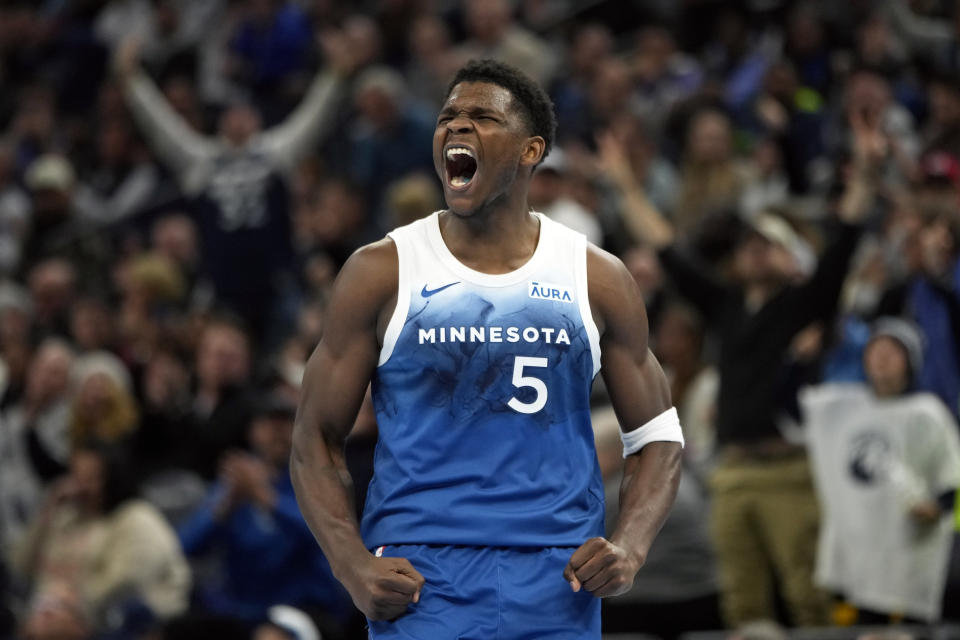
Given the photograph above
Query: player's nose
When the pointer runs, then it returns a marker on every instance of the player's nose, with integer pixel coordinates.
(460, 124)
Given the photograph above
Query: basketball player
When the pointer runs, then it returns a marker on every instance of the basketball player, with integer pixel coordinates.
(482, 328)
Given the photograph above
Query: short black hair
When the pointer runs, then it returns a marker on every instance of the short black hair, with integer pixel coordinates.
(535, 105)
(120, 481)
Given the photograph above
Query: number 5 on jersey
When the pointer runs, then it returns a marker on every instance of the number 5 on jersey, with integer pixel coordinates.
(520, 381)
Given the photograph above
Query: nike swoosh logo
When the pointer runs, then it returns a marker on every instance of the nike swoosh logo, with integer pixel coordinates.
(426, 293)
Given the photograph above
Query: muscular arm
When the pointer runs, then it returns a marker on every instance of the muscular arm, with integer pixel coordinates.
(639, 392)
(177, 144)
(334, 384)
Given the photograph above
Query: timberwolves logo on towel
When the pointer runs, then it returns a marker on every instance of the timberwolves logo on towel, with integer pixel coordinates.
(869, 457)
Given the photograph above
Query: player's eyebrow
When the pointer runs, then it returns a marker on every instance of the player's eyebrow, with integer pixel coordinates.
(478, 110)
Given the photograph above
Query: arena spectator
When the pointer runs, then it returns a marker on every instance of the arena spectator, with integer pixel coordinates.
(664, 75)
(644, 265)
(221, 405)
(237, 181)
(91, 325)
(711, 178)
(887, 463)
(166, 419)
(34, 437)
(251, 517)
(56, 230)
(650, 168)
(432, 60)
(790, 115)
(16, 309)
(737, 56)
(693, 383)
(943, 127)
(493, 33)
(760, 472)
(14, 210)
(95, 538)
(53, 287)
(677, 591)
(103, 408)
(590, 47)
(32, 130)
(930, 294)
(867, 91)
(548, 196)
(175, 236)
(807, 48)
(609, 98)
(335, 220)
(392, 137)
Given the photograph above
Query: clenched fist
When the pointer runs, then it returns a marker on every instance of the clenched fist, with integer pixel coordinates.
(602, 568)
(382, 588)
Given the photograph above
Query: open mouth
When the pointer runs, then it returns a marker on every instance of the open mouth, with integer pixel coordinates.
(461, 166)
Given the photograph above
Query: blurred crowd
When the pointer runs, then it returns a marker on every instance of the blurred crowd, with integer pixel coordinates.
(180, 181)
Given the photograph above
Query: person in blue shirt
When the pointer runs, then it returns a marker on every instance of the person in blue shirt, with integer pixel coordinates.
(251, 517)
(482, 328)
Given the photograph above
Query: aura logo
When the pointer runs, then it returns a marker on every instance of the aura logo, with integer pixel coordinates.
(547, 291)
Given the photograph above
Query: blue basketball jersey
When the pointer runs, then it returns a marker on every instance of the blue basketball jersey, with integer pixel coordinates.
(482, 396)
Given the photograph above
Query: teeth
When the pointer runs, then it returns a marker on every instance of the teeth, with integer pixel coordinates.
(459, 181)
(452, 151)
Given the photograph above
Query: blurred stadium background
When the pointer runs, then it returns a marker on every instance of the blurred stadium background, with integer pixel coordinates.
(180, 181)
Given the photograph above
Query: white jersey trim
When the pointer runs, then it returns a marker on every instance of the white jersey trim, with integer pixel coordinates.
(583, 296)
(399, 317)
(464, 272)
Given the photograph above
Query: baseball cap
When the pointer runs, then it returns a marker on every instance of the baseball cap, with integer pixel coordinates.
(778, 231)
(50, 171)
(293, 621)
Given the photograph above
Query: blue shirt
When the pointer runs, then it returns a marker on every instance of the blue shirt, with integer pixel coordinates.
(269, 557)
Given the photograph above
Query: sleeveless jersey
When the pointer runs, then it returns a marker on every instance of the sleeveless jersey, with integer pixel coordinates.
(482, 397)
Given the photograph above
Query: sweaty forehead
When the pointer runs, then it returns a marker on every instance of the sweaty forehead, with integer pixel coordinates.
(480, 95)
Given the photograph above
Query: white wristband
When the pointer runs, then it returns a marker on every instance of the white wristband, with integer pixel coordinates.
(664, 428)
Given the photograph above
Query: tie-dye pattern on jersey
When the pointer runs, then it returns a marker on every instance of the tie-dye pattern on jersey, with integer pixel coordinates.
(482, 399)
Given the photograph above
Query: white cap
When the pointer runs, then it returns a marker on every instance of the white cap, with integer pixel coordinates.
(778, 231)
(294, 622)
(50, 171)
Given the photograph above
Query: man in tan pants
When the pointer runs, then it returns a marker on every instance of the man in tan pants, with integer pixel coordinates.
(764, 524)
(764, 511)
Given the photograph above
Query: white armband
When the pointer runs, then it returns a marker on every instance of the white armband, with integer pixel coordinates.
(664, 428)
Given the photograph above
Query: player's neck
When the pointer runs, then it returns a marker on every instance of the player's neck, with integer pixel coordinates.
(497, 239)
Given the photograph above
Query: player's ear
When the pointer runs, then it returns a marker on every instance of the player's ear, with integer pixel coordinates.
(533, 151)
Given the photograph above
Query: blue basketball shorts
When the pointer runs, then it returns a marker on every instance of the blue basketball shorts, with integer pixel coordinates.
(491, 593)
